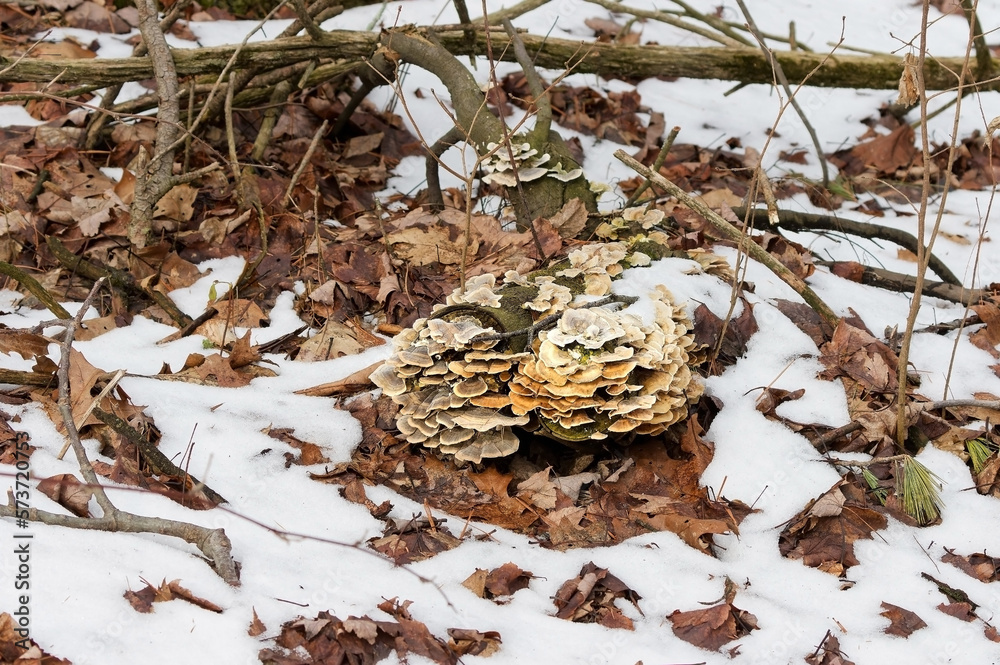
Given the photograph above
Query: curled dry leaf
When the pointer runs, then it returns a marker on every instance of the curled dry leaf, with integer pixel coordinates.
(979, 565)
(328, 639)
(590, 598)
(828, 653)
(415, 540)
(66, 490)
(498, 584)
(16, 648)
(824, 533)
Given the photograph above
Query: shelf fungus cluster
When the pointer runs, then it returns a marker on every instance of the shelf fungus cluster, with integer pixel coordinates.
(541, 354)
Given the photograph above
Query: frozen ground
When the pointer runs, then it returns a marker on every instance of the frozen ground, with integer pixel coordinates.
(79, 577)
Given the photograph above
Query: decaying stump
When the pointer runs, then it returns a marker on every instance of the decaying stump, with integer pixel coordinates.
(546, 353)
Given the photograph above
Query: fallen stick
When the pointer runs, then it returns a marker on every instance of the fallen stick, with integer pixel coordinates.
(754, 250)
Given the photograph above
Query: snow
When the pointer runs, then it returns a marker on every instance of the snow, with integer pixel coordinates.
(79, 577)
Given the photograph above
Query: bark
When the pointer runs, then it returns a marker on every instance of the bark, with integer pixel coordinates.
(727, 63)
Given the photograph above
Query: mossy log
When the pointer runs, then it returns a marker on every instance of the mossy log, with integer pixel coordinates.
(531, 356)
(746, 65)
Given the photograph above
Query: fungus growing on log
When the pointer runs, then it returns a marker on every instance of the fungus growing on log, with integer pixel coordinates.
(540, 353)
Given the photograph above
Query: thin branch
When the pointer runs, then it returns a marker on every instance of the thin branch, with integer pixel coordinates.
(734, 234)
(320, 133)
(791, 220)
(661, 157)
(156, 178)
(923, 255)
(34, 288)
(897, 281)
(664, 17)
(779, 73)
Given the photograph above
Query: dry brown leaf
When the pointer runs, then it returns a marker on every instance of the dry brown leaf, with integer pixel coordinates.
(473, 643)
(902, 622)
(67, 48)
(177, 204)
(333, 340)
(257, 626)
(828, 653)
(713, 627)
(590, 598)
(26, 344)
(66, 490)
(571, 219)
(823, 534)
(422, 247)
(19, 649)
(979, 565)
(362, 145)
(352, 384)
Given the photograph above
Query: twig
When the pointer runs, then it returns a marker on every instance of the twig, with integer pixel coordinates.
(213, 543)
(112, 382)
(278, 96)
(153, 456)
(543, 105)
(661, 157)
(791, 220)
(306, 18)
(923, 255)
(779, 73)
(664, 17)
(511, 13)
(119, 279)
(86, 468)
(533, 329)
(320, 133)
(734, 234)
(825, 440)
(864, 464)
(435, 197)
(35, 288)
(897, 281)
(984, 58)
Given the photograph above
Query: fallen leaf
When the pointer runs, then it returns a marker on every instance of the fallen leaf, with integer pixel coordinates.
(257, 626)
(590, 598)
(713, 627)
(902, 622)
(68, 492)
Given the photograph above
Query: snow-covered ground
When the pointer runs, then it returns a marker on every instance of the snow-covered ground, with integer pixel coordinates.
(79, 577)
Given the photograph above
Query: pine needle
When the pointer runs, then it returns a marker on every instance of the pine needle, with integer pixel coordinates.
(920, 488)
(979, 452)
(880, 492)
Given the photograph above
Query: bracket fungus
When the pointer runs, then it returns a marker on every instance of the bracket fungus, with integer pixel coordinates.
(539, 354)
